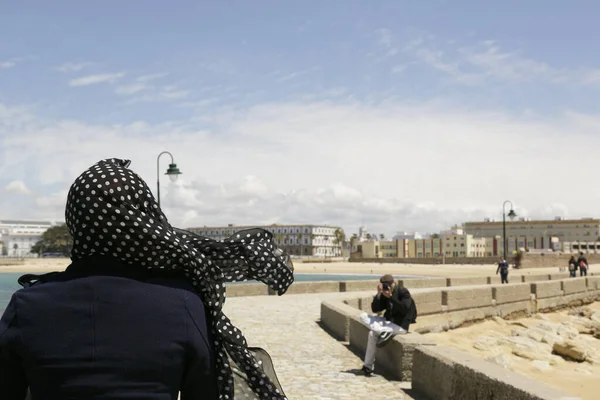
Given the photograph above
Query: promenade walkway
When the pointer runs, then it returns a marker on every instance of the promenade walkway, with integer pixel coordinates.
(310, 363)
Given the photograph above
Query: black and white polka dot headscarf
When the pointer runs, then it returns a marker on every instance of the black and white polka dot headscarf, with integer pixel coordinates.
(111, 212)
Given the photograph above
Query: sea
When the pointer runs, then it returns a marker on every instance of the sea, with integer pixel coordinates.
(8, 281)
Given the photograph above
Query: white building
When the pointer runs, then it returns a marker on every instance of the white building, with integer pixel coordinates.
(296, 240)
(18, 237)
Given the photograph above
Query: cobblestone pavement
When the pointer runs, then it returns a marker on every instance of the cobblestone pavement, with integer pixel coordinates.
(310, 364)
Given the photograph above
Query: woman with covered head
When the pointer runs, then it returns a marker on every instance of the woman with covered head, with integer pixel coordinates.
(138, 313)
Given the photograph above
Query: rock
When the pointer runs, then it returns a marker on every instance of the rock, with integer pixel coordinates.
(518, 323)
(570, 349)
(584, 325)
(595, 317)
(597, 334)
(528, 348)
(567, 330)
(582, 312)
(485, 343)
(548, 327)
(541, 316)
(501, 359)
(583, 370)
(499, 321)
(551, 338)
(541, 365)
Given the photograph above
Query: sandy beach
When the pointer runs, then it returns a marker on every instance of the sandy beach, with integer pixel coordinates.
(449, 270)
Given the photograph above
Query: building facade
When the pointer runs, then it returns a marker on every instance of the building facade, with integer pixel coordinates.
(18, 237)
(450, 244)
(296, 240)
(567, 235)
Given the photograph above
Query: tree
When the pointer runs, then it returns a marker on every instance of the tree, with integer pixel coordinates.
(56, 239)
(382, 236)
(368, 236)
(435, 236)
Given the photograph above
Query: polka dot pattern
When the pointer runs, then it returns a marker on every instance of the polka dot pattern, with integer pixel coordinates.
(111, 212)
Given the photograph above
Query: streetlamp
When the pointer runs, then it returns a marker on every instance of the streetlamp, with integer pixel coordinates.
(511, 215)
(172, 171)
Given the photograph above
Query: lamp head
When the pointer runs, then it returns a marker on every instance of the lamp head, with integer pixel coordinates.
(173, 172)
(512, 214)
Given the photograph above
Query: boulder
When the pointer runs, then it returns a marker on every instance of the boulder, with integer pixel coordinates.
(486, 343)
(567, 330)
(585, 312)
(528, 348)
(501, 359)
(541, 365)
(571, 349)
(595, 317)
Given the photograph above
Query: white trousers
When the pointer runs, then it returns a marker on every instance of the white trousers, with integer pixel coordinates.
(377, 325)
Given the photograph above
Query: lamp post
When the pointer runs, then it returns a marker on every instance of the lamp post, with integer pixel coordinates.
(172, 171)
(511, 215)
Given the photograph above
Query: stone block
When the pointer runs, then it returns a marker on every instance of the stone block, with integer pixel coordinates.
(246, 289)
(574, 285)
(444, 373)
(516, 309)
(358, 334)
(422, 283)
(473, 281)
(311, 287)
(461, 299)
(593, 283)
(458, 318)
(354, 303)
(535, 278)
(558, 276)
(358, 286)
(428, 302)
(335, 317)
(543, 290)
(511, 293)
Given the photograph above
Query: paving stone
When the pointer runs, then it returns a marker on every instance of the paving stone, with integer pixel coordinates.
(310, 364)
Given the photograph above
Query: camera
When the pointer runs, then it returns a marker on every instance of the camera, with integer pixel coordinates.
(386, 286)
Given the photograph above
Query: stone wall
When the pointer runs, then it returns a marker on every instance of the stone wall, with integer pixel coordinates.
(429, 260)
(553, 260)
(443, 373)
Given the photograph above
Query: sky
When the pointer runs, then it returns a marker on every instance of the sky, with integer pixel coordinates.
(396, 115)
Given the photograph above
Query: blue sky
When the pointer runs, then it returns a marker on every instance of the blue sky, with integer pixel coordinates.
(286, 76)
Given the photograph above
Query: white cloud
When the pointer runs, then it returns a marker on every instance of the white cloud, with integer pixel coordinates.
(150, 77)
(7, 64)
(95, 79)
(131, 89)
(393, 166)
(478, 63)
(74, 67)
(17, 187)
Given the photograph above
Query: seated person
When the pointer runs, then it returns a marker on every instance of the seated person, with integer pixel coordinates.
(400, 312)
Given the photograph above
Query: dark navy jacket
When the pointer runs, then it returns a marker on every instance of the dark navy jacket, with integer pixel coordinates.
(101, 330)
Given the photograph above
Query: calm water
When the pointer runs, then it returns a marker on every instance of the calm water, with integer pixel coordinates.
(8, 282)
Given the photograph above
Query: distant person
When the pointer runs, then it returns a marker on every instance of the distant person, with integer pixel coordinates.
(582, 262)
(572, 267)
(503, 270)
(400, 312)
(138, 314)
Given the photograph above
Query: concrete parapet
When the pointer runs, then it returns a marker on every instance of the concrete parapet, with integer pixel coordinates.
(365, 303)
(395, 359)
(511, 293)
(422, 283)
(246, 289)
(358, 286)
(574, 285)
(335, 316)
(354, 303)
(593, 283)
(493, 280)
(535, 278)
(543, 290)
(428, 302)
(311, 287)
(558, 276)
(460, 299)
(444, 373)
(473, 281)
